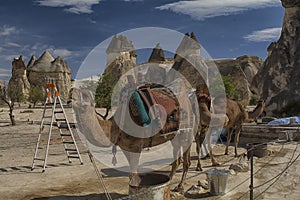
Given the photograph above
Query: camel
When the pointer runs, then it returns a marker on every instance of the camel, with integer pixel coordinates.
(257, 111)
(88, 122)
(237, 115)
(206, 115)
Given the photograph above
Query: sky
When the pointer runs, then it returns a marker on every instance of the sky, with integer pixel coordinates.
(72, 28)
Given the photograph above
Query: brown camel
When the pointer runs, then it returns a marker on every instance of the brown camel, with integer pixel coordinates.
(257, 111)
(218, 120)
(88, 122)
(237, 115)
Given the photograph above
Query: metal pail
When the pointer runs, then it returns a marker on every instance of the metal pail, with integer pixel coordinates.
(217, 181)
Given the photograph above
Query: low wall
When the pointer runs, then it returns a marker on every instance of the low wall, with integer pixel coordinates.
(265, 133)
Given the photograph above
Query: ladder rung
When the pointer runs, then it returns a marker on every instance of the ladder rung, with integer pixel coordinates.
(68, 142)
(42, 159)
(59, 111)
(73, 153)
(71, 149)
(51, 104)
(49, 85)
(60, 120)
(66, 135)
(73, 156)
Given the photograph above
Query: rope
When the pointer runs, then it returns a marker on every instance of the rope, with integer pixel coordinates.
(102, 184)
(290, 163)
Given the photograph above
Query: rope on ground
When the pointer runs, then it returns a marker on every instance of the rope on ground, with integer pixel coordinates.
(102, 184)
(290, 163)
(271, 142)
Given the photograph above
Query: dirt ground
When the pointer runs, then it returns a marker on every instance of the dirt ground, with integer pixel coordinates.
(277, 175)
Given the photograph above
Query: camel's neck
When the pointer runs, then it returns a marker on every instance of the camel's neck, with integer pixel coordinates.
(256, 112)
(109, 129)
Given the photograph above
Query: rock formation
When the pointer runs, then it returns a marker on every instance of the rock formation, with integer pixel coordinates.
(46, 69)
(19, 79)
(242, 70)
(280, 73)
(157, 55)
(187, 60)
(250, 66)
(155, 70)
(121, 56)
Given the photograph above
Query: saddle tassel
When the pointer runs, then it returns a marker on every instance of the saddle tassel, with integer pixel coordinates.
(114, 151)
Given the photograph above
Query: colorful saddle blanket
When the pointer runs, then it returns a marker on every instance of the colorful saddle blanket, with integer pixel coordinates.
(156, 103)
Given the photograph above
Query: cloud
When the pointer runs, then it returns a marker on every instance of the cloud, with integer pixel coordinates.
(7, 30)
(11, 44)
(5, 72)
(72, 6)
(61, 52)
(10, 57)
(269, 34)
(201, 9)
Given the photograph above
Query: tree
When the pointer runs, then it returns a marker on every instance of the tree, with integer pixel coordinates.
(227, 83)
(36, 95)
(104, 92)
(230, 86)
(10, 96)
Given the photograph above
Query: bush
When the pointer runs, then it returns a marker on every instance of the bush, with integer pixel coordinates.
(36, 95)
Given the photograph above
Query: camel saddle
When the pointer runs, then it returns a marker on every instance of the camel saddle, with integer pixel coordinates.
(155, 103)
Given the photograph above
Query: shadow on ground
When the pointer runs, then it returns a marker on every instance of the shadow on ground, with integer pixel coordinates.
(86, 197)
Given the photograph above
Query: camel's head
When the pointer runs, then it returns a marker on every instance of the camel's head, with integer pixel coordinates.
(261, 103)
(87, 122)
(81, 98)
(204, 98)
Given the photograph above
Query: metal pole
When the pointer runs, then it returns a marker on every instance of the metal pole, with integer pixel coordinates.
(251, 173)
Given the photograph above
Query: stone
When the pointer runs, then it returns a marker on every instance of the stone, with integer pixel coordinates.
(240, 167)
(19, 79)
(46, 69)
(203, 184)
(280, 72)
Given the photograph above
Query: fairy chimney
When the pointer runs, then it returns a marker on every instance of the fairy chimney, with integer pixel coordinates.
(46, 69)
(19, 79)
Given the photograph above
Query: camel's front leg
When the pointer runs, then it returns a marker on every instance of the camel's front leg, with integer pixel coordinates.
(228, 140)
(133, 160)
(213, 159)
(236, 139)
(186, 165)
(199, 138)
(177, 161)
